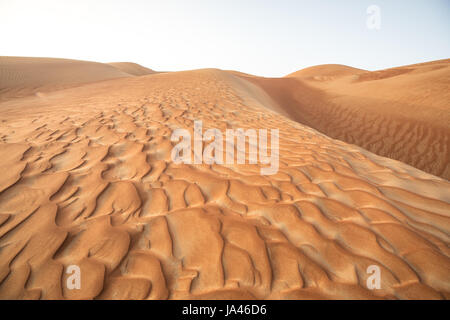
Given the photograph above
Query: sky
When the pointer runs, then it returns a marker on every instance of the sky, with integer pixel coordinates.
(265, 38)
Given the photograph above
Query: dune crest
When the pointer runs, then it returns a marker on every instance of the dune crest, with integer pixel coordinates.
(401, 113)
(326, 72)
(90, 182)
(24, 76)
(132, 68)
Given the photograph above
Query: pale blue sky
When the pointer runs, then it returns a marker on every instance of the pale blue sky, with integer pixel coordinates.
(268, 38)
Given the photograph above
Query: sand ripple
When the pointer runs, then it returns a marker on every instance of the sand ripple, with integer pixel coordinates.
(87, 180)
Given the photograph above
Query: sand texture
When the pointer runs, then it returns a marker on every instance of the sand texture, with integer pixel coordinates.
(87, 179)
(401, 113)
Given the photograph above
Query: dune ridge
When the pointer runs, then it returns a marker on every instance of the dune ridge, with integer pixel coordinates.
(401, 113)
(326, 72)
(89, 182)
(24, 76)
(132, 68)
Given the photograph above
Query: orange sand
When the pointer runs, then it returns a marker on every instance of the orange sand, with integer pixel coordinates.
(87, 180)
(401, 113)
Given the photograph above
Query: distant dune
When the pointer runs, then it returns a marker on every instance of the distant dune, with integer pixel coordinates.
(88, 181)
(132, 68)
(401, 113)
(326, 72)
(22, 76)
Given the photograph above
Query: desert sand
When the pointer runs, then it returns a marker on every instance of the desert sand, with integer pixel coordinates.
(401, 113)
(87, 180)
(24, 76)
(132, 68)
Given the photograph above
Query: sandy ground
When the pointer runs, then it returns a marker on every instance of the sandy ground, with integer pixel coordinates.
(87, 180)
(401, 113)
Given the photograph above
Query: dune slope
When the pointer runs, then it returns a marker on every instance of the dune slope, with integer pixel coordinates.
(326, 72)
(89, 182)
(401, 113)
(132, 68)
(23, 76)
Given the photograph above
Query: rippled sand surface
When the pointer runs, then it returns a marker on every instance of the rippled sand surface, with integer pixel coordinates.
(87, 179)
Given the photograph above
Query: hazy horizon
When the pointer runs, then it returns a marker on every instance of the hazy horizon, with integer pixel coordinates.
(263, 38)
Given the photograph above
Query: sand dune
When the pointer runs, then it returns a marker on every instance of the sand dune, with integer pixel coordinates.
(401, 113)
(23, 76)
(326, 72)
(132, 68)
(88, 181)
